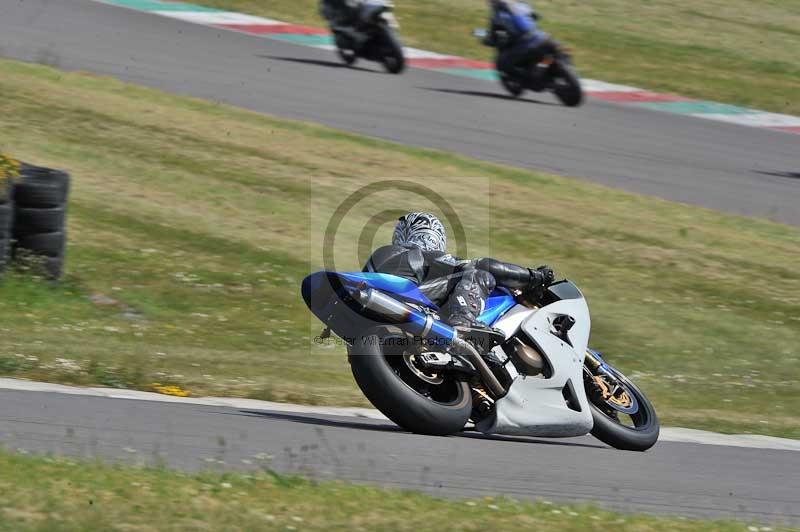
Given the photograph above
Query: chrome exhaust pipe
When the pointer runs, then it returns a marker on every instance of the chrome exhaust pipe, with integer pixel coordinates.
(395, 311)
(423, 325)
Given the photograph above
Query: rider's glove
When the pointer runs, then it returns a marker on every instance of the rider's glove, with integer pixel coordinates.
(541, 277)
(548, 275)
(536, 280)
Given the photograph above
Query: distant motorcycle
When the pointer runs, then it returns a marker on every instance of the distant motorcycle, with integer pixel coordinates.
(371, 36)
(554, 72)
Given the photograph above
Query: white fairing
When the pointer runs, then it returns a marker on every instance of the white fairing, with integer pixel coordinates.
(535, 406)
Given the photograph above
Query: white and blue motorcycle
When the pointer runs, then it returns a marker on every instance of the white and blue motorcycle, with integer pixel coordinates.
(540, 380)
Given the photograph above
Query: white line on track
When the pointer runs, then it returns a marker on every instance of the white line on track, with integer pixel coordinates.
(218, 17)
(670, 434)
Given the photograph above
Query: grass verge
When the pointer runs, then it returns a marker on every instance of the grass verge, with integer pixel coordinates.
(192, 223)
(731, 51)
(61, 495)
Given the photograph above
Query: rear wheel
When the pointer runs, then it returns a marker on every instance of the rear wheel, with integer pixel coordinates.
(514, 87)
(567, 86)
(348, 56)
(623, 416)
(384, 366)
(346, 53)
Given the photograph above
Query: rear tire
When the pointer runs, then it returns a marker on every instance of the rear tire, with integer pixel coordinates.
(514, 87)
(568, 86)
(346, 54)
(444, 412)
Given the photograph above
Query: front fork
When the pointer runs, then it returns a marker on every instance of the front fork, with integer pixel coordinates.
(601, 380)
(593, 361)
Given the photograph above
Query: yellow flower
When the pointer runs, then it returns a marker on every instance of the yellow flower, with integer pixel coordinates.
(170, 390)
(9, 167)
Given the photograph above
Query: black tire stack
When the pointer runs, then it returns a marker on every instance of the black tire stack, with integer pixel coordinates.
(6, 217)
(40, 208)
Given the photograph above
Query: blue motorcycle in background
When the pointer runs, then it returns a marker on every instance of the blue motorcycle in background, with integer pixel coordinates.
(539, 378)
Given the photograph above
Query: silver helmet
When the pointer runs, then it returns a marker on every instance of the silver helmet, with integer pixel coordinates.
(422, 230)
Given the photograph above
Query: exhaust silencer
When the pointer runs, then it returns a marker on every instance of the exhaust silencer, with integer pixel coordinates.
(395, 311)
(424, 326)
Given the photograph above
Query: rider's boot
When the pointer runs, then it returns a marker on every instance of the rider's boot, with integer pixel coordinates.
(465, 305)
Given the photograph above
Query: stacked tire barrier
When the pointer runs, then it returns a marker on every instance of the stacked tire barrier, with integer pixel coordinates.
(8, 170)
(40, 214)
(33, 207)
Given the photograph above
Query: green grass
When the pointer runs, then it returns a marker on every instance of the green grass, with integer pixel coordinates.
(46, 494)
(192, 223)
(735, 51)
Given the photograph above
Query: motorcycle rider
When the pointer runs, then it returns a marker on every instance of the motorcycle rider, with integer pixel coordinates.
(514, 32)
(459, 287)
(341, 14)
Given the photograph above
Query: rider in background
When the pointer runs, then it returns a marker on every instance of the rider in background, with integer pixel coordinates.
(515, 34)
(341, 14)
(459, 287)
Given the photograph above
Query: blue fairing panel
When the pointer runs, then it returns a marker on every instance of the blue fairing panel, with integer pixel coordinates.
(499, 302)
(400, 287)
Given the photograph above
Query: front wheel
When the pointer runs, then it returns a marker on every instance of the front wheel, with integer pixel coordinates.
(623, 416)
(567, 86)
(392, 52)
(384, 366)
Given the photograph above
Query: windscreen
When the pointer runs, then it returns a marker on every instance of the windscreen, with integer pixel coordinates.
(563, 290)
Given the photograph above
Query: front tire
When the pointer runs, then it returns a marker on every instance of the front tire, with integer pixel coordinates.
(567, 85)
(392, 56)
(641, 434)
(422, 406)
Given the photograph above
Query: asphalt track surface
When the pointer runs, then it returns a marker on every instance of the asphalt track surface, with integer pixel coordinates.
(726, 167)
(758, 485)
(721, 166)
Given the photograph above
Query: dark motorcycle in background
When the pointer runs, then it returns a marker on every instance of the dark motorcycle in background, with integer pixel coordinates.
(370, 35)
(553, 72)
